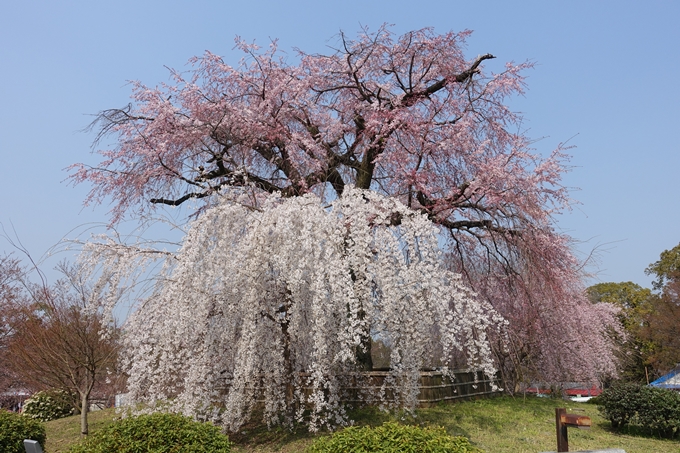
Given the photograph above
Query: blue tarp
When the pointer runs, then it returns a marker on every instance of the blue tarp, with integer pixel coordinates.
(669, 381)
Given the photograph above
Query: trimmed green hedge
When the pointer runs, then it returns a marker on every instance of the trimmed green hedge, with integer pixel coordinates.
(656, 410)
(14, 428)
(392, 438)
(156, 433)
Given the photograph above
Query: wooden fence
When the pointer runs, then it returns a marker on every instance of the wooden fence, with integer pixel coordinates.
(435, 387)
(375, 388)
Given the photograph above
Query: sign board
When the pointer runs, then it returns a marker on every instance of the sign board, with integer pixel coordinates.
(32, 446)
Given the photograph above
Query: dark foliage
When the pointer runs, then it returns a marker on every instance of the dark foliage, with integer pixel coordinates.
(14, 428)
(655, 410)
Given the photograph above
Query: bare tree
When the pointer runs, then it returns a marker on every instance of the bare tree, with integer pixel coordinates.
(11, 298)
(61, 342)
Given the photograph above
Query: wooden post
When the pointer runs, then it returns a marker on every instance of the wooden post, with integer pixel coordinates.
(562, 421)
(562, 440)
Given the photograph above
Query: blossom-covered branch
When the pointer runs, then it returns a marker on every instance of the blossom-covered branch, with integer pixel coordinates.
(408, 117)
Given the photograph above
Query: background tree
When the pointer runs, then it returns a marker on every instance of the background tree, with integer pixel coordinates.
(666, 269)
(636, 303)
(59, 343)
(11, 295)
(650, 347)
(630, 297)
(662, 320)
(662, 328)
(406, 116)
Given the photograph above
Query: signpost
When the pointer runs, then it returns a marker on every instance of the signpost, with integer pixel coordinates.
(563, 421)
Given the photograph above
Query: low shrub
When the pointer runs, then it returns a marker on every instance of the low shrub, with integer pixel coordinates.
(654, 409)
(14, 429)
(659, 411)
(620, 402)
(48, 405)
(155, 433)
(392, 438)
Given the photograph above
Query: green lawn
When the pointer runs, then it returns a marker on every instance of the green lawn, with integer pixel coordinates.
(496, 425)
(66, 431)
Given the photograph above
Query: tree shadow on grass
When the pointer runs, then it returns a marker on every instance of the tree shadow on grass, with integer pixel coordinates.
(256, 433)
(634, 431)
(452, 417)
(458, 423)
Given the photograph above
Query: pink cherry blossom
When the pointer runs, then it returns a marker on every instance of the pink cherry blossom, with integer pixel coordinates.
(407, 117)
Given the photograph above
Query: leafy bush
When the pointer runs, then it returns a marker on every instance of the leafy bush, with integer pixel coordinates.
(155, 433)
(392, 437)
(659, 411)
(620, 402)
(14, 429)
(655, 410)
(48, 405)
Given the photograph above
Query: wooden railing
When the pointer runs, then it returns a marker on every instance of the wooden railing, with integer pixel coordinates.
(435, 387)
(368, 388)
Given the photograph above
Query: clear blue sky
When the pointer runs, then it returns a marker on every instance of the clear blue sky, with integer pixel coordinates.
(607, 79)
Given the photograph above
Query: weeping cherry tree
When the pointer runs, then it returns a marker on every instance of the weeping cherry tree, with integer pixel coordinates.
(427, 137)
(272, 304)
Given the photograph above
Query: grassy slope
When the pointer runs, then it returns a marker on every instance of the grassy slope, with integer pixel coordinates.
(518, 426)
(64, 432)
(498, 425)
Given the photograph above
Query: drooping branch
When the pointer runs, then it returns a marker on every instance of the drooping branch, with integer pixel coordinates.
(108, 120)
(290, 307)
(413, 96)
